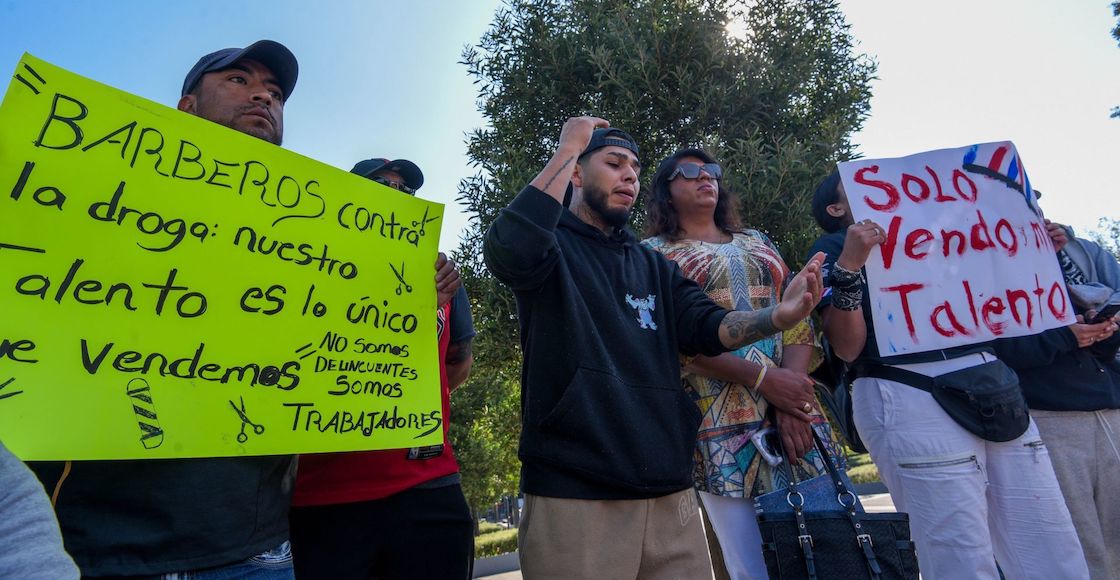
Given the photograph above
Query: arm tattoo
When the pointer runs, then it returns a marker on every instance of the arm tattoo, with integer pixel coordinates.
(743, 327)
(558, 172)
(458, 352)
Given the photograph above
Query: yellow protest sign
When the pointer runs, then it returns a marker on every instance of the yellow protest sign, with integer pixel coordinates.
(174, 288)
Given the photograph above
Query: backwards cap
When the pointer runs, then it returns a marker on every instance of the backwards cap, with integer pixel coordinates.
(610, 136)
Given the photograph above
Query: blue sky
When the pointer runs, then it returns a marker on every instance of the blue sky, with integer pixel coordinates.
(381, 78)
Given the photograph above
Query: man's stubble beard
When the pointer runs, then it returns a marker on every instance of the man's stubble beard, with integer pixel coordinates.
(596, 200)
(229, 120)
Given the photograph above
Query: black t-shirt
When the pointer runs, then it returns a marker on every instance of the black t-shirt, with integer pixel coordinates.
(462, 325)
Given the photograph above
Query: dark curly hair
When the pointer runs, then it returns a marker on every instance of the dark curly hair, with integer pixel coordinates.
(661, 216)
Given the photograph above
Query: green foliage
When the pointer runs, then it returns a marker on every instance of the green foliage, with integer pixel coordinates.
(1116, 35)
(861, 469)
(1108, 235)
(495, 543)
(776, 105)
(488, 527)
(485, 412)
(1116, 29)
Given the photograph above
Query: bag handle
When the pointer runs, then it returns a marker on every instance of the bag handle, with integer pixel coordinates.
(804, 539)
(842, 491)
(863, 539)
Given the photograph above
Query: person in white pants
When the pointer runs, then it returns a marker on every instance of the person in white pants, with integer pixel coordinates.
(968, 499)
(971, 502)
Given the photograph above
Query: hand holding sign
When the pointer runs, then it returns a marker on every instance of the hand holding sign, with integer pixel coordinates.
(1057, 235)
(447, 279)
(858, 242)
(963, 255)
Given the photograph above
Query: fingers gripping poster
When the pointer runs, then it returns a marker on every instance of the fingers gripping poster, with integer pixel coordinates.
(174, 288)
(966, 256)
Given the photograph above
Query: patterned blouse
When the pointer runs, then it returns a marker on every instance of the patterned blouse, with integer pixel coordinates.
(746, 273)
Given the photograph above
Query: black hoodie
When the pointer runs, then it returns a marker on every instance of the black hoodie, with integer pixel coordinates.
(603, 412)
(1057, 375)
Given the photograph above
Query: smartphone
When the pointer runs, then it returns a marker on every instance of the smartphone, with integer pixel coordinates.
(1107, 311)
(766, 441)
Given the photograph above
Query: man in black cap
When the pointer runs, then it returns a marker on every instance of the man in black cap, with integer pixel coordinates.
(213, 517)
(243, 88)
(401, 174)
(607, 431)
(397, 514)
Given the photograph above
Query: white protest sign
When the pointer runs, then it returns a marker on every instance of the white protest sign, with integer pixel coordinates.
(966, 258)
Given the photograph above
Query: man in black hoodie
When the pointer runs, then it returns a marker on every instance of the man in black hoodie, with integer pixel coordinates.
(607, 431)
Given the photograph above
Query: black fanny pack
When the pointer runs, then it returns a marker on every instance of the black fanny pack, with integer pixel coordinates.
(984, 399)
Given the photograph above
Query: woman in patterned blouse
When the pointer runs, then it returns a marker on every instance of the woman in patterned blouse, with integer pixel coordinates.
(695, 222)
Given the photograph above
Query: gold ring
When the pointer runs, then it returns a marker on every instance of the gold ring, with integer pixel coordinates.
(807, 407)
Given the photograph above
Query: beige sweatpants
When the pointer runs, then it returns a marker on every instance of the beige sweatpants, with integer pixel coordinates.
(1085, 450)
(647, 539)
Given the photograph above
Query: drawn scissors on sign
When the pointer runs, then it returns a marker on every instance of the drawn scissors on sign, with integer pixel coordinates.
(423, 222)
(242, 437)
(400, 278)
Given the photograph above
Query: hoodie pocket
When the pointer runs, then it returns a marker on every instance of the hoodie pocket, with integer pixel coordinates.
(633, 434)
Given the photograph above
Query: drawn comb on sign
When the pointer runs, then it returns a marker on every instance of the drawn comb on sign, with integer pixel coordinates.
(151, 434)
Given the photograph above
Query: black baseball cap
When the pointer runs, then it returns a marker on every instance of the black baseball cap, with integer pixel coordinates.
(412, 175)
(270, 53)
(610, 136)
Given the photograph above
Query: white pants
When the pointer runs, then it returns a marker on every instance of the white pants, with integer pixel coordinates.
(736, 525)
(971, 502)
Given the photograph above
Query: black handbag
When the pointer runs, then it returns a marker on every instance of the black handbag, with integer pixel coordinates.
(843, 543)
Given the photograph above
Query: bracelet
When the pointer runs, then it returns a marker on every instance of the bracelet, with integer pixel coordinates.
(761, 375)
(844, 278)
(847, 299)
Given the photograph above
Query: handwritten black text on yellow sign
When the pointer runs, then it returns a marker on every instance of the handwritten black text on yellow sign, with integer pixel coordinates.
(173, 288)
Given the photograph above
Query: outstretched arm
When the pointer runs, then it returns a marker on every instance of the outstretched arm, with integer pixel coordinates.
(742, 327)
